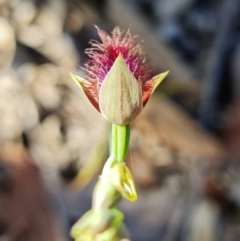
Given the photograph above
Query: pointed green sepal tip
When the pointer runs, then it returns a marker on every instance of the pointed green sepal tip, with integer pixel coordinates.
(78, 80)
(153, 83)
(84, 85)
(120, 95)
(159, 78)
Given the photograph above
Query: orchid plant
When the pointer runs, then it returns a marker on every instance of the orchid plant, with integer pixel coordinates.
(118, 85)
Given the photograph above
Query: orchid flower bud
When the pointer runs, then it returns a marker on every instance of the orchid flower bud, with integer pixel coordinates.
(123, 181)
(96, 222)
(117, 233)
(117, 80)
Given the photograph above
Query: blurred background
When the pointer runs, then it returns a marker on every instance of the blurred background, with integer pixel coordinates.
(184, 146)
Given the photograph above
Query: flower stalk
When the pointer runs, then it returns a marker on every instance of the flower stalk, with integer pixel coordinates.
(118, 85)
(120, 141)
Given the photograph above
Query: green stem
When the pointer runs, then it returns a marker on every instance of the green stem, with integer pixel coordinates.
(120, 141)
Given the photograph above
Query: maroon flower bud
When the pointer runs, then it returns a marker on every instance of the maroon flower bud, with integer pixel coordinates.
(117, 80)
